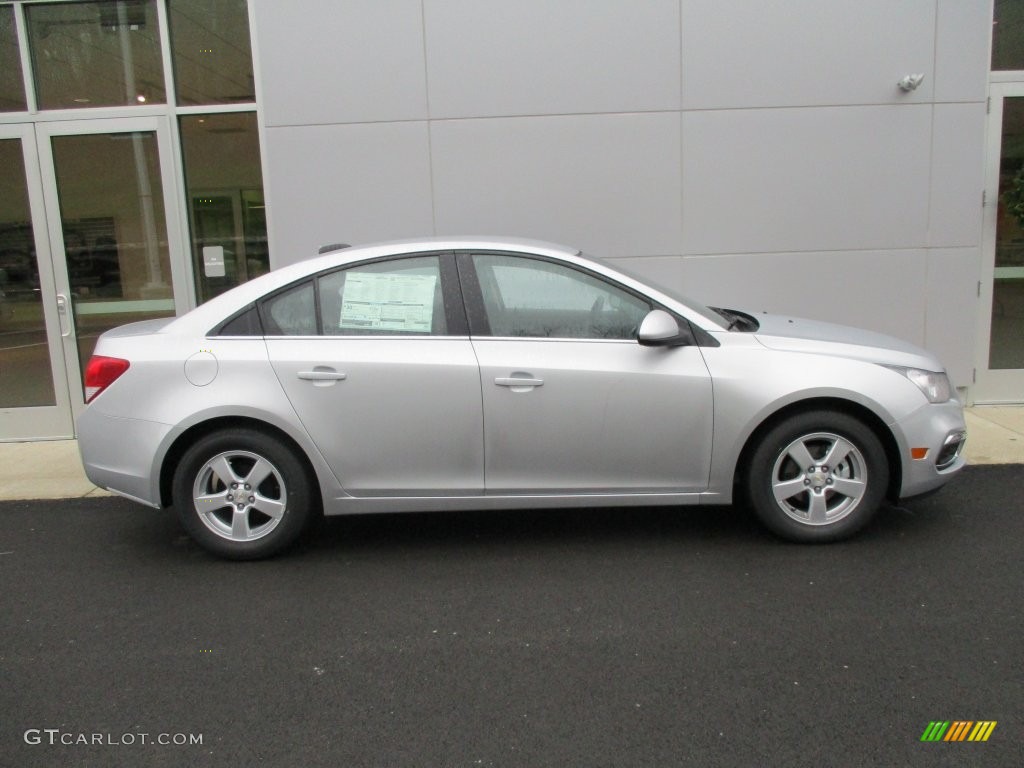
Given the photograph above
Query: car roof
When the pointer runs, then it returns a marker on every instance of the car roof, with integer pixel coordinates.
(461, 243)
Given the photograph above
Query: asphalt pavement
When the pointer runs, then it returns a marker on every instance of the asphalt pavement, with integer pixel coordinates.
(625, 637)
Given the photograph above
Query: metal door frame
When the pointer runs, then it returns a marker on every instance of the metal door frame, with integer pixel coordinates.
(180, 273)
(46, 421)
(993, 386)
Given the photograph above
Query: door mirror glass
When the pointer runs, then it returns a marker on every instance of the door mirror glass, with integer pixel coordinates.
(659, 328)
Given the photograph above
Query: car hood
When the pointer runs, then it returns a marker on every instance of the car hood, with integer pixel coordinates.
(795, 334)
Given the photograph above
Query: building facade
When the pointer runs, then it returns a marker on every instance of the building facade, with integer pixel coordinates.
(783, 157)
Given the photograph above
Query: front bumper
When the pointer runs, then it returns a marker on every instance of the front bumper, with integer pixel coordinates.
(940, 431)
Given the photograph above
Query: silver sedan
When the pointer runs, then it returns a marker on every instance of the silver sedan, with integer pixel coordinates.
(462, 373)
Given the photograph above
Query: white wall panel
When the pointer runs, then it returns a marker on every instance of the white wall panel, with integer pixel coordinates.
(607, 183)
(323, 61)
(346, 183)
(880, 291)
(958, 159)
(829, 178)
(952, 309)
(962, 51)
(805, 52)
(534, 57)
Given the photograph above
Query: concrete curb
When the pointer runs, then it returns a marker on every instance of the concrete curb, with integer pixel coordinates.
(52, 469)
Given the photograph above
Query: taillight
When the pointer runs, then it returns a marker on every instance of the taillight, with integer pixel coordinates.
(100, 373)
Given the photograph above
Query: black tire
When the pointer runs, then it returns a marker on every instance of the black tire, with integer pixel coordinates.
(253, 520)
(818, 502)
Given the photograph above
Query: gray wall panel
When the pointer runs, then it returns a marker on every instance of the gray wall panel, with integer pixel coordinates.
(609, 183)
(958, 158)
(962, 51)
(536, 57)
(805, 52)
(346, 183)
(952, 309)
(828, 178)
(323, 61)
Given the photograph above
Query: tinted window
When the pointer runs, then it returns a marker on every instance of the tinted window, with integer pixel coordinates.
(245, 324)
(401, 296)
(530, 297)
(211, 52)
(291, 312)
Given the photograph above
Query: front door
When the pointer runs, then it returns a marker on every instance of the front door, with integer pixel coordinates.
(1000, 369)
(111, 216)
(572, 402)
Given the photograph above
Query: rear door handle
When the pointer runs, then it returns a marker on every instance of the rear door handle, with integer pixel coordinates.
(322, 376)
(517, 383)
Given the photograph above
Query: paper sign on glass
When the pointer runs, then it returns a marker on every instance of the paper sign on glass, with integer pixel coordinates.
(213, 260)
(403, 303)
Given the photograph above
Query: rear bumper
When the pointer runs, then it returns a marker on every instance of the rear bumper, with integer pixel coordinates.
(940, 429)
(118, 454)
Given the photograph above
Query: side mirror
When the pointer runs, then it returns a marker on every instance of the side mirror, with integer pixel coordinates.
(660, 329)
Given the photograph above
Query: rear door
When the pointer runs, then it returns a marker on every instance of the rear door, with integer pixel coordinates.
(572, 402)
(376, 360)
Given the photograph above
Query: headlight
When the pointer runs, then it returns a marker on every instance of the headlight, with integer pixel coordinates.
(934, 386)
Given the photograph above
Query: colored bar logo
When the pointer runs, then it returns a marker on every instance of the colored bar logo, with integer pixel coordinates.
(958, 730)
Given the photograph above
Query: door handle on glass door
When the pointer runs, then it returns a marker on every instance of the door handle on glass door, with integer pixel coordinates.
(63, 315)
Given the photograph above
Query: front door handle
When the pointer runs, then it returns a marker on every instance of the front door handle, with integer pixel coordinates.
(518, 383)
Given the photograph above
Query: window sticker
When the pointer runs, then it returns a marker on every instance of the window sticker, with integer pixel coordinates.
(385, 302)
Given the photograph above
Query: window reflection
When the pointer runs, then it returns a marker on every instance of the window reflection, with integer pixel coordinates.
(115, 232)
(95, 54)
(12, 87)
(1008, 34)
(26, 377)
(224, 184)
(1006, 349)
(211, 51)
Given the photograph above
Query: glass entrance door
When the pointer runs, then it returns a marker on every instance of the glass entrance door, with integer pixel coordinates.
(112, 222)
(1000, 372)
(34, 395)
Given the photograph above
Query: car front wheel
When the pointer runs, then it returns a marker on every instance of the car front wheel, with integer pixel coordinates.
(818, 476)
(242, 494)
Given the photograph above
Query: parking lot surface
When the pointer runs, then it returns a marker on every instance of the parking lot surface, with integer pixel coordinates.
(621, 637)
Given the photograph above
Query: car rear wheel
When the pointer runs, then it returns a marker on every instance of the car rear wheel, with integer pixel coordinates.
(819, 476)
(242, 494)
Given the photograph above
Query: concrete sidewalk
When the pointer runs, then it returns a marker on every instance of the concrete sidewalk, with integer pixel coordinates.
(52, 469)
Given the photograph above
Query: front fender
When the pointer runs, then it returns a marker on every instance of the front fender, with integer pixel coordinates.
(751, 384)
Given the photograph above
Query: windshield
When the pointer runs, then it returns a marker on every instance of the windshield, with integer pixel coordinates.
(719, 319)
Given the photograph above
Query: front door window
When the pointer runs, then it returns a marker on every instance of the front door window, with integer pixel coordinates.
(535, 298)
